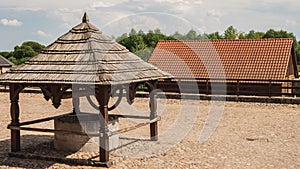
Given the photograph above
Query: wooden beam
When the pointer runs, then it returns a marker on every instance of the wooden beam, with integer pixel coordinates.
(41, 120)
(129, 116)
(51, 130)
(79, 93)
(134, 127)
(124, 130)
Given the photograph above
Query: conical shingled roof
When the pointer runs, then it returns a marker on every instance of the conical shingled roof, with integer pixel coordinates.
(84, 55)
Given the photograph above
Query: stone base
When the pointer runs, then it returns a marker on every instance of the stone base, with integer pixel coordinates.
(87, 123)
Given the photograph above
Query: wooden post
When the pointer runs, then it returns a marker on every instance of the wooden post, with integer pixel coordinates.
(75, 100)
(238, 88)
(206, 86)
(270, 84)
(15, 113)
(102, 96)
(76, 103)
(153, 115)
(153, 111)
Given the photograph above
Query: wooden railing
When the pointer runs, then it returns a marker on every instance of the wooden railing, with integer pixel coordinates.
(218, 86)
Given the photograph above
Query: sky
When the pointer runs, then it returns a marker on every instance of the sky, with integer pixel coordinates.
(46, 20)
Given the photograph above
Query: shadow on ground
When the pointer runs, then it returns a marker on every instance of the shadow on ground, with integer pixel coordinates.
(43, 145)
(35, 144)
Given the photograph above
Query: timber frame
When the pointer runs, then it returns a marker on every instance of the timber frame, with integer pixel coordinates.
(57, 92)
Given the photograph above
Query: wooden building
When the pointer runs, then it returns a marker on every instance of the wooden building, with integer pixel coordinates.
(87, 62)
(248, 66)
(4, 64)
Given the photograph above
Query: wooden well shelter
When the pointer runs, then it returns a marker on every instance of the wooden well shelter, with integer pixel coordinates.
(264, 67)
(82, 60)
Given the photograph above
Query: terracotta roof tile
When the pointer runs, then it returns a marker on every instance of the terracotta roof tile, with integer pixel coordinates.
(233, 59)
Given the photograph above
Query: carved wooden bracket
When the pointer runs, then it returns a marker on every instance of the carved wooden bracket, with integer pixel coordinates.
(54, 93)
(101, 92)
(115, 94)
(15, 89)
(131, 92)
(57, 92)
(151, 85)
(46, 92)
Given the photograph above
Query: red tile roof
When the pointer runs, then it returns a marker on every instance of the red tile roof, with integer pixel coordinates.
(233, 59)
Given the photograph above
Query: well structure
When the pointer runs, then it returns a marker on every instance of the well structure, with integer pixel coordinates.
(85, 62)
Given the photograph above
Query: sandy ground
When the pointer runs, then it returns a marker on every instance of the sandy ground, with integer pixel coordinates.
(248, 135)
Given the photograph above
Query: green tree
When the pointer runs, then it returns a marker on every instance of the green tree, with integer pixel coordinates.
(14, 60)
(255, 35)
(191, 35)
(177, 35)
(278, 34)
(132, 32)
(34, 45)
(24, 51)
(241, 35)
(23, 60)
(215, 35)
(140, 43)
(134, 42)
(157, 31)
(7, 54)
(231, 33)
(122, 37)
(145, 54)
(141, 32)
(152, 38)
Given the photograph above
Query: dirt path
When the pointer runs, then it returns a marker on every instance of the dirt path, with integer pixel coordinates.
(249, 135)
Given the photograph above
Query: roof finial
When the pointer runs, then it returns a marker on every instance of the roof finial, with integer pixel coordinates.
(85, 18)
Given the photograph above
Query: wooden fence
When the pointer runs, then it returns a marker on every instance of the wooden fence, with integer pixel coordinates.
(214, 86)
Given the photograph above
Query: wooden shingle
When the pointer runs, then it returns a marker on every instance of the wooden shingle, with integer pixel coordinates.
(4, 62)
(84, 55)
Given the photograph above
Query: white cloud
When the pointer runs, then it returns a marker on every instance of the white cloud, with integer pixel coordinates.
(43, 34)
(176, 6)
(213, 13)
(198, 2)
(138, 22)
(173, 1)
(101, 4)
(291, 22)
(68, 10)
(106, 4)
(33, 9)
(141, 8)
(68, 17)
(7, 22)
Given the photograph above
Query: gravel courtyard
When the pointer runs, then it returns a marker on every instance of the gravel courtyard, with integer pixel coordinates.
(249, 135)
